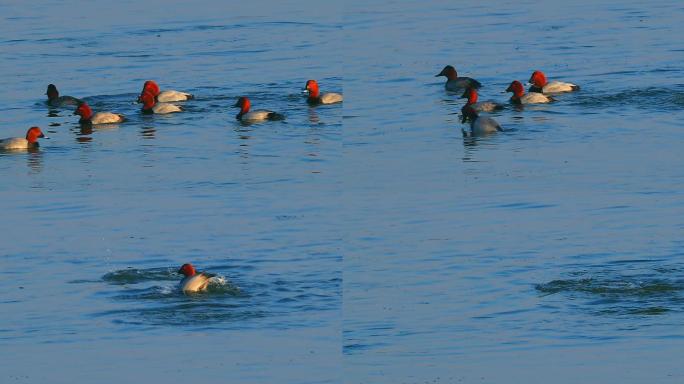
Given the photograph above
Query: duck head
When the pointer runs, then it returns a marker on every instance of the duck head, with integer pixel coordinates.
(517, 88)
(449, 72)
(33, 134)
(187, 270)
(470, 94)
(312, 88)
(538, 79)
(52, 92)
(84, 111)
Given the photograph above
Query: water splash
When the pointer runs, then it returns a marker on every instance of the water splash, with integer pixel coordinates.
(135, 276)
(626, 291)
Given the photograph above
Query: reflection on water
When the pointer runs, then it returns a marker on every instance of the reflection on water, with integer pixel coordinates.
(148, 132)
(313, 116)
(34, 160)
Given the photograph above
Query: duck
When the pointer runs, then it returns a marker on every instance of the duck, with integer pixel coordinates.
(455, 83)
(87, 116)
(150, 105)
(163, 96)
(31, 140)
(520, 97)
(479, 125)
(316, 98)
(541, 85)
(248, 116)
(482, 106)
(55, 100)
(193, 281)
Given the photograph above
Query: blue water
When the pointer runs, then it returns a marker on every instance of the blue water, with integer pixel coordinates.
(96, 223)
(367, 242)
(550, 253)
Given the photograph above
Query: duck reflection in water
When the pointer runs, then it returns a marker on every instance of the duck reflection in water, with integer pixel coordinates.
(148, 133)
(34, 160)
(313, 116)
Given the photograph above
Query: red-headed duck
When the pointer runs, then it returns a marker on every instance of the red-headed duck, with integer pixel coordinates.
(193, 281)
(316, 97)
(31, 140)
(479, 125)
(520, 97)
(482, 106)
(163, 96)
(254, 116)
(150, 105)
(541, 85)
(455, 83)
(55, 100)
(87, 116)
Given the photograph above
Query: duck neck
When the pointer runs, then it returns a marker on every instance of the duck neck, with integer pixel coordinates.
(472, 97)
(52, 94)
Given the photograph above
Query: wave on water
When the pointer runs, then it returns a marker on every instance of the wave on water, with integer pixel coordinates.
(135, 276)
(217, 284)
(651, 98)
(613, 292)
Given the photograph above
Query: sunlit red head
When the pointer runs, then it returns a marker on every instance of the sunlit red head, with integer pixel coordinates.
(517, 88)
(148, 100)
(33, 134)
(243, 103)
(312, 87)
(538, 79)
(187, 270)
(152, 87)
(471, 94)
(52, 92)
(84, 111)
(449, 72)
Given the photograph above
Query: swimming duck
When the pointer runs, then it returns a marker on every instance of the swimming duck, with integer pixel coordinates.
(455, 83)
(87, 116)
(55, 100)
(479, 125)
(520, 97)
(482, 106)
(163, 96)
(150, 105)
(193, 281)
(541, 85)
(316, 98)
(248, 116)
(31, 140)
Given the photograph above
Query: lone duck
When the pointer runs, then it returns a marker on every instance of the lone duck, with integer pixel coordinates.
(193, 281)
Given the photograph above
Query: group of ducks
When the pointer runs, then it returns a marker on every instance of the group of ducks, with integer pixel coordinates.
(155, 101)
(538, 93)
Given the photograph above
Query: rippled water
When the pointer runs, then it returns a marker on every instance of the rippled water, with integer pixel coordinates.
(547, 253)
(363, 243)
